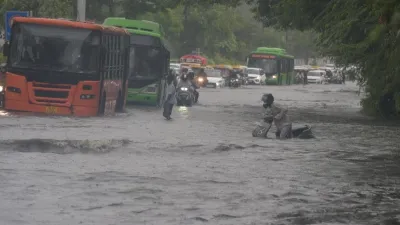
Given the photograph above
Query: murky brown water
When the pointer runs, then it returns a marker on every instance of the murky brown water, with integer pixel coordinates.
(203, 167)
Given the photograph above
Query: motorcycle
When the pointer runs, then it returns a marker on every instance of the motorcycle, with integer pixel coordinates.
(243, 80)
(201, 81)
(185, 96)
(302, 132)
(234, 82)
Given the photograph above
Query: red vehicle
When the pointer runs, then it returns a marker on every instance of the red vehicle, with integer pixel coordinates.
(194, 59)
(64, 67)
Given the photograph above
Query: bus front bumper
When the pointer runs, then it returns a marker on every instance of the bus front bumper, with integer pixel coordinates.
(80, 111)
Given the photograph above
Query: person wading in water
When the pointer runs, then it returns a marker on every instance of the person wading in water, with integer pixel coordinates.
(171, 97)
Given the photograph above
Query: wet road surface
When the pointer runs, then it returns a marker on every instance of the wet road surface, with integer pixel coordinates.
(203, 167)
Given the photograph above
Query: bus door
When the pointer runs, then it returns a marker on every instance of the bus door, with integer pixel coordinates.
(279, 67)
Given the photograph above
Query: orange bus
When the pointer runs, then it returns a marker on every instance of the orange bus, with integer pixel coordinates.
(63, 67)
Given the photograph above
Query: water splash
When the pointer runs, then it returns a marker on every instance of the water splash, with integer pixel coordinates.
(63, 146)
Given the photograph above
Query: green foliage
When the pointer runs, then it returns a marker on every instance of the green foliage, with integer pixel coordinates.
(364, 34)
(42, 8)
(224, 30)
(225, 34)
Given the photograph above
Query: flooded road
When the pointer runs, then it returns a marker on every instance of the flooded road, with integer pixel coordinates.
(203, 167)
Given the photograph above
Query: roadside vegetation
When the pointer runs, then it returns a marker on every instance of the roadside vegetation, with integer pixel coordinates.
(361, 35)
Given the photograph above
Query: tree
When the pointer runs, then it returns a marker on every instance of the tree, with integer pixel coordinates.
(43, 8)
(359, 33)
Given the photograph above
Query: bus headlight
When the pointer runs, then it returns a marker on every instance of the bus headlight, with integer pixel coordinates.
(274, 77)
(1, 88)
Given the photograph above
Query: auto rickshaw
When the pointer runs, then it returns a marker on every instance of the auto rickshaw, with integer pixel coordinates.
(225, 70)
(190, 65)
(301, 74)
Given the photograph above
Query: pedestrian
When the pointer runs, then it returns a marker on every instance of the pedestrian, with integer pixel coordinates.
(170, 101)
(305, 79)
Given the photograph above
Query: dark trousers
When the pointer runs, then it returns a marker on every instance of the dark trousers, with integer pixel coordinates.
(167, 109)
(196, 95)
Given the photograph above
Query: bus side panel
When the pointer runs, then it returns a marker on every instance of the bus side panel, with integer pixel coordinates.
(17, 88)
(83, 105)
(126, 94)
(284, 77)
(111, 88)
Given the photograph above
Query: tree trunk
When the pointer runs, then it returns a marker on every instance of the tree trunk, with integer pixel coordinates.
(183, 39)
(111, 7)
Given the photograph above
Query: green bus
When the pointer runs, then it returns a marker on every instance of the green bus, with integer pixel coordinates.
(148, 70)
(277, 65)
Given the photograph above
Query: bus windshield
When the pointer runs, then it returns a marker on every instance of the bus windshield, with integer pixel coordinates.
(146, 63)
(37, 46)
(270, 66)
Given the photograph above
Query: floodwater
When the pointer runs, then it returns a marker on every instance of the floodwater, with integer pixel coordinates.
(203, 167)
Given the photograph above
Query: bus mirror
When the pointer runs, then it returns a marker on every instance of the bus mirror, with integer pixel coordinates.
(6, 49)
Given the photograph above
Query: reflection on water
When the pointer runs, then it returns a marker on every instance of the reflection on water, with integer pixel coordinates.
(4, 113)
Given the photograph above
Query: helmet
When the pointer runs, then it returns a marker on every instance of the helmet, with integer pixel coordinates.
(185, 70)
(267, 98)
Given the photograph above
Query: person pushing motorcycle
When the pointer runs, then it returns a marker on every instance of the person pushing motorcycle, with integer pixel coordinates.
(278, 115)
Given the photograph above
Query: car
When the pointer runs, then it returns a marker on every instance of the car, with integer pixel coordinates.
(215, 79)
(255, 76)
(316, 76)
(175, 66)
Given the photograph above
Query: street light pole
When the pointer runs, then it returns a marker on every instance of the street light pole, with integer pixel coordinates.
(81, 10)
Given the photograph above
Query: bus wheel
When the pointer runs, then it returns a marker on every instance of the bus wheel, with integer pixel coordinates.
(102, 106)
(120, 103)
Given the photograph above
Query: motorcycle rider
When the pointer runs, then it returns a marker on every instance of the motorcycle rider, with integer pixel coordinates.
(184, 81)
(233, 75)
(278, 115)
(202, 74)
(194, 86)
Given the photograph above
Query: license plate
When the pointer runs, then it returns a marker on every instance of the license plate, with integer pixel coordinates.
(51, 109)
